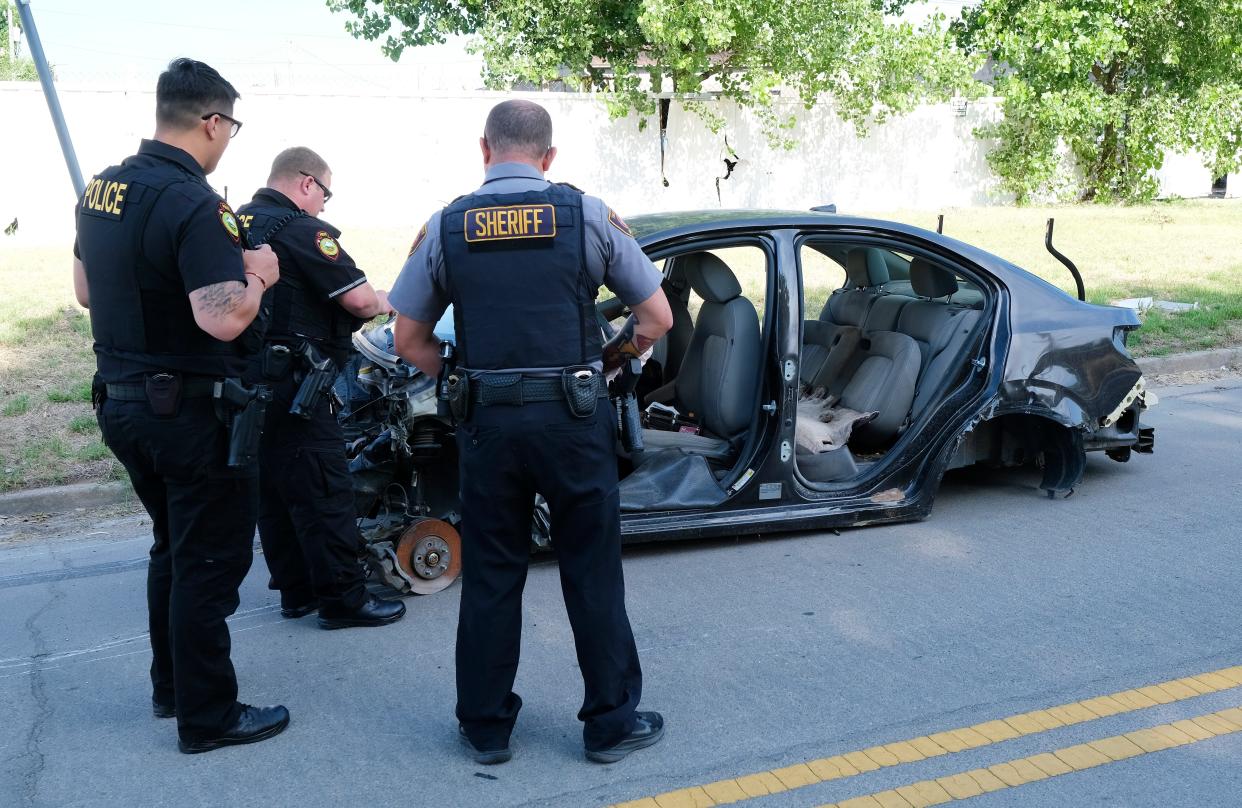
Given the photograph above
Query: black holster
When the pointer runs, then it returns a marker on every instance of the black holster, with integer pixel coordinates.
(627, 409)
(456, 392)
(581, 384)
(320, 374)
(243, 409)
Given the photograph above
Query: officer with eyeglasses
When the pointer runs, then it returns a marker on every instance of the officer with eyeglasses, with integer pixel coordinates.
(306, 506)
(160, 263)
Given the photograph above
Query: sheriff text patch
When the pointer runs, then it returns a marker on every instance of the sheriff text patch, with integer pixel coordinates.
(510, 222)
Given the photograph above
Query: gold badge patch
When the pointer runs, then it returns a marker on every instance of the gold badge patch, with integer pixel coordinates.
(327, 245)
(229, 220)
(508, 222)
(422, 234)
(616, 221)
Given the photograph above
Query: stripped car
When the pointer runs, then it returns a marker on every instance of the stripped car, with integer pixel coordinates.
(929, 354)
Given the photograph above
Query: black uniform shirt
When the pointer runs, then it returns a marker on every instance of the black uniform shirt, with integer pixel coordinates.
(191, 238)
(310, 247)
(315, 271)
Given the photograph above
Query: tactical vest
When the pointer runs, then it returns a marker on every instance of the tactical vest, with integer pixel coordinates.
(517, 277)
(295, 310)
(140, 312)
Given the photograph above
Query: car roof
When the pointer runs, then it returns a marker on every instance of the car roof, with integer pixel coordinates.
(652, 228)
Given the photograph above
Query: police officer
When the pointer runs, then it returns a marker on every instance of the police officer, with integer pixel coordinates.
(159, 262)
(306, 505)
(521, 261)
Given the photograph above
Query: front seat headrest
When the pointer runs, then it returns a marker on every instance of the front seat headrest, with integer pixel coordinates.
(710, 277)
(865, 267)
(929, 280)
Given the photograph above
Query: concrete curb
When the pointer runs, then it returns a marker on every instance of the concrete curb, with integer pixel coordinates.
(1193, 361)
(63, 498)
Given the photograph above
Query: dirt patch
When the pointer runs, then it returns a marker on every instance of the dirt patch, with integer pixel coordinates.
(1193, 377)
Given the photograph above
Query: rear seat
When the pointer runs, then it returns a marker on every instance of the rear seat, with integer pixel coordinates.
(828, 342)
(907, 347)
(940, 329)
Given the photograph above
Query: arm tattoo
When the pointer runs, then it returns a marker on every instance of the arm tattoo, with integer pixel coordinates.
(219, 299)
(627, 343)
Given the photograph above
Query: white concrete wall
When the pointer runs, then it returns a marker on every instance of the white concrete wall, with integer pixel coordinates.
(397, 158)
(1184, 175)
(1233, 185)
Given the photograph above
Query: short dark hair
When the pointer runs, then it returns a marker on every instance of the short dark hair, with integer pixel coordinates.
(187, 90)
(291, 162)
(519, 126)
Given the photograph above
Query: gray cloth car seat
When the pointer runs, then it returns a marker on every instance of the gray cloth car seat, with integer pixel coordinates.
(884, 382)
(670, 351)
(720, 370)
(829, 342)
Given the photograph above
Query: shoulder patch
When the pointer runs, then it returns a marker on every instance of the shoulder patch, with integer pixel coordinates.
(229, 220)
(327, 245)
(616, 221)
(422, 234)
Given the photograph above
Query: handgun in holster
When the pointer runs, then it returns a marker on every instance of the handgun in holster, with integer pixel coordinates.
(452, 386)
(243, 409)
(319, 373)
(627, 408)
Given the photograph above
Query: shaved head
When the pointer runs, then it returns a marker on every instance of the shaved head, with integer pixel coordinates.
(289, 164)
(519, 127)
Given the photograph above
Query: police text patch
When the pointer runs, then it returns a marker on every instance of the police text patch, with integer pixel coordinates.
(327, 245)
(510, 222)
(105, 197)
(229, 220)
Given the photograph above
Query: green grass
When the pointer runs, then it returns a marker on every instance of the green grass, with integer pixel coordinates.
(1188, 251)
(17, 405)
(81, 391)
(84, 425)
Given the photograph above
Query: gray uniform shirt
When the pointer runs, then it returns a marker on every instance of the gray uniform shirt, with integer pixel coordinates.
(613, 257)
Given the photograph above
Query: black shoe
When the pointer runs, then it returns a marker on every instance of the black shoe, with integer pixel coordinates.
(373, 612)
(484, 757)
(301, 610)
(253, 725)
(649, 730)
(163, 710)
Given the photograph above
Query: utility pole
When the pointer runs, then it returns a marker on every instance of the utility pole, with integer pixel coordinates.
(49, 93)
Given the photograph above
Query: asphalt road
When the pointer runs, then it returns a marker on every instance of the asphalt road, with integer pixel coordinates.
(763, 654)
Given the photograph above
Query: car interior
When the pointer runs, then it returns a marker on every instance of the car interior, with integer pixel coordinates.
(889, 340)
(884, 334)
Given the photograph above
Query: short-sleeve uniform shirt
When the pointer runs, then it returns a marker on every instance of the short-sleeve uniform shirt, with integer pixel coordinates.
(191, 239)
(613, 257)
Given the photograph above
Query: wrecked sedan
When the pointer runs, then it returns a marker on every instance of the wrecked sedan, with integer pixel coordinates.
(822, 371)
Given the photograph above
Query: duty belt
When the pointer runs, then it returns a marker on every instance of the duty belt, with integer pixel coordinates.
(515, 389)
(190, 388)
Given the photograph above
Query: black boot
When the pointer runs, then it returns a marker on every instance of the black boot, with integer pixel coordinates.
(296, 610)
(253, 725)
(373, 612)
(163, 710)
(649, 730)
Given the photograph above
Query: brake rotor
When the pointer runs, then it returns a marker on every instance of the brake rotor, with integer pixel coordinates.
(429, 553)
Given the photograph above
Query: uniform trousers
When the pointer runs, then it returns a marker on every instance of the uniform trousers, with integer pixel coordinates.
(506, 455)
(307, 522)
(202, 520)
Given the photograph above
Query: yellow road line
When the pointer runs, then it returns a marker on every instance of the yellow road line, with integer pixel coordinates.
(964, 785)
(724, 792)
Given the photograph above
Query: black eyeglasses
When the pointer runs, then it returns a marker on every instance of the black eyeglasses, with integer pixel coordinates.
(326, 193)
(237, 125)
